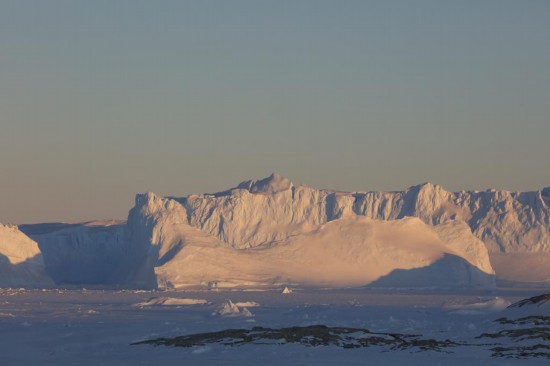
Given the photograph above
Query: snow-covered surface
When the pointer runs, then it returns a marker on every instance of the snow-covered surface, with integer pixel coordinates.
(247, 304)
(479, 306)
(85, 327)
(171, 301)
(271, 254)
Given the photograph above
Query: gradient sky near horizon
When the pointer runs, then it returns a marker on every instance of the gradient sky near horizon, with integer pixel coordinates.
(103, 99)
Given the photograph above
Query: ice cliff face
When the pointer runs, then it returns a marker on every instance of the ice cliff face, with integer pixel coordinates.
(156, 230)
(86, 253)
(168, 235)
(351, 251)
(21, 263)
(260, 212)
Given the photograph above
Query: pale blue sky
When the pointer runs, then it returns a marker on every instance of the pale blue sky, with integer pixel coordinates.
(103, 99)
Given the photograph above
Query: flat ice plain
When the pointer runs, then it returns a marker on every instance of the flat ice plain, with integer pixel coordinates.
(98, 327)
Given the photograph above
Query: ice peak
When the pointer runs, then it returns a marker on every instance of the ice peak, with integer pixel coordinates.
(144, 198)
(273, 184)
(428, 189)
(427, 186)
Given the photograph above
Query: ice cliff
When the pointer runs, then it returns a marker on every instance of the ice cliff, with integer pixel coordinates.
(86, 253)
(21, 263)
(351, 251)
(259, 212)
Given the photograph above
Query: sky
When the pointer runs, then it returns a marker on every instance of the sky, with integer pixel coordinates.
(100, 100)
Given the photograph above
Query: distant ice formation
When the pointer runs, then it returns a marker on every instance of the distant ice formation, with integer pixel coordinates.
(270, 232)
